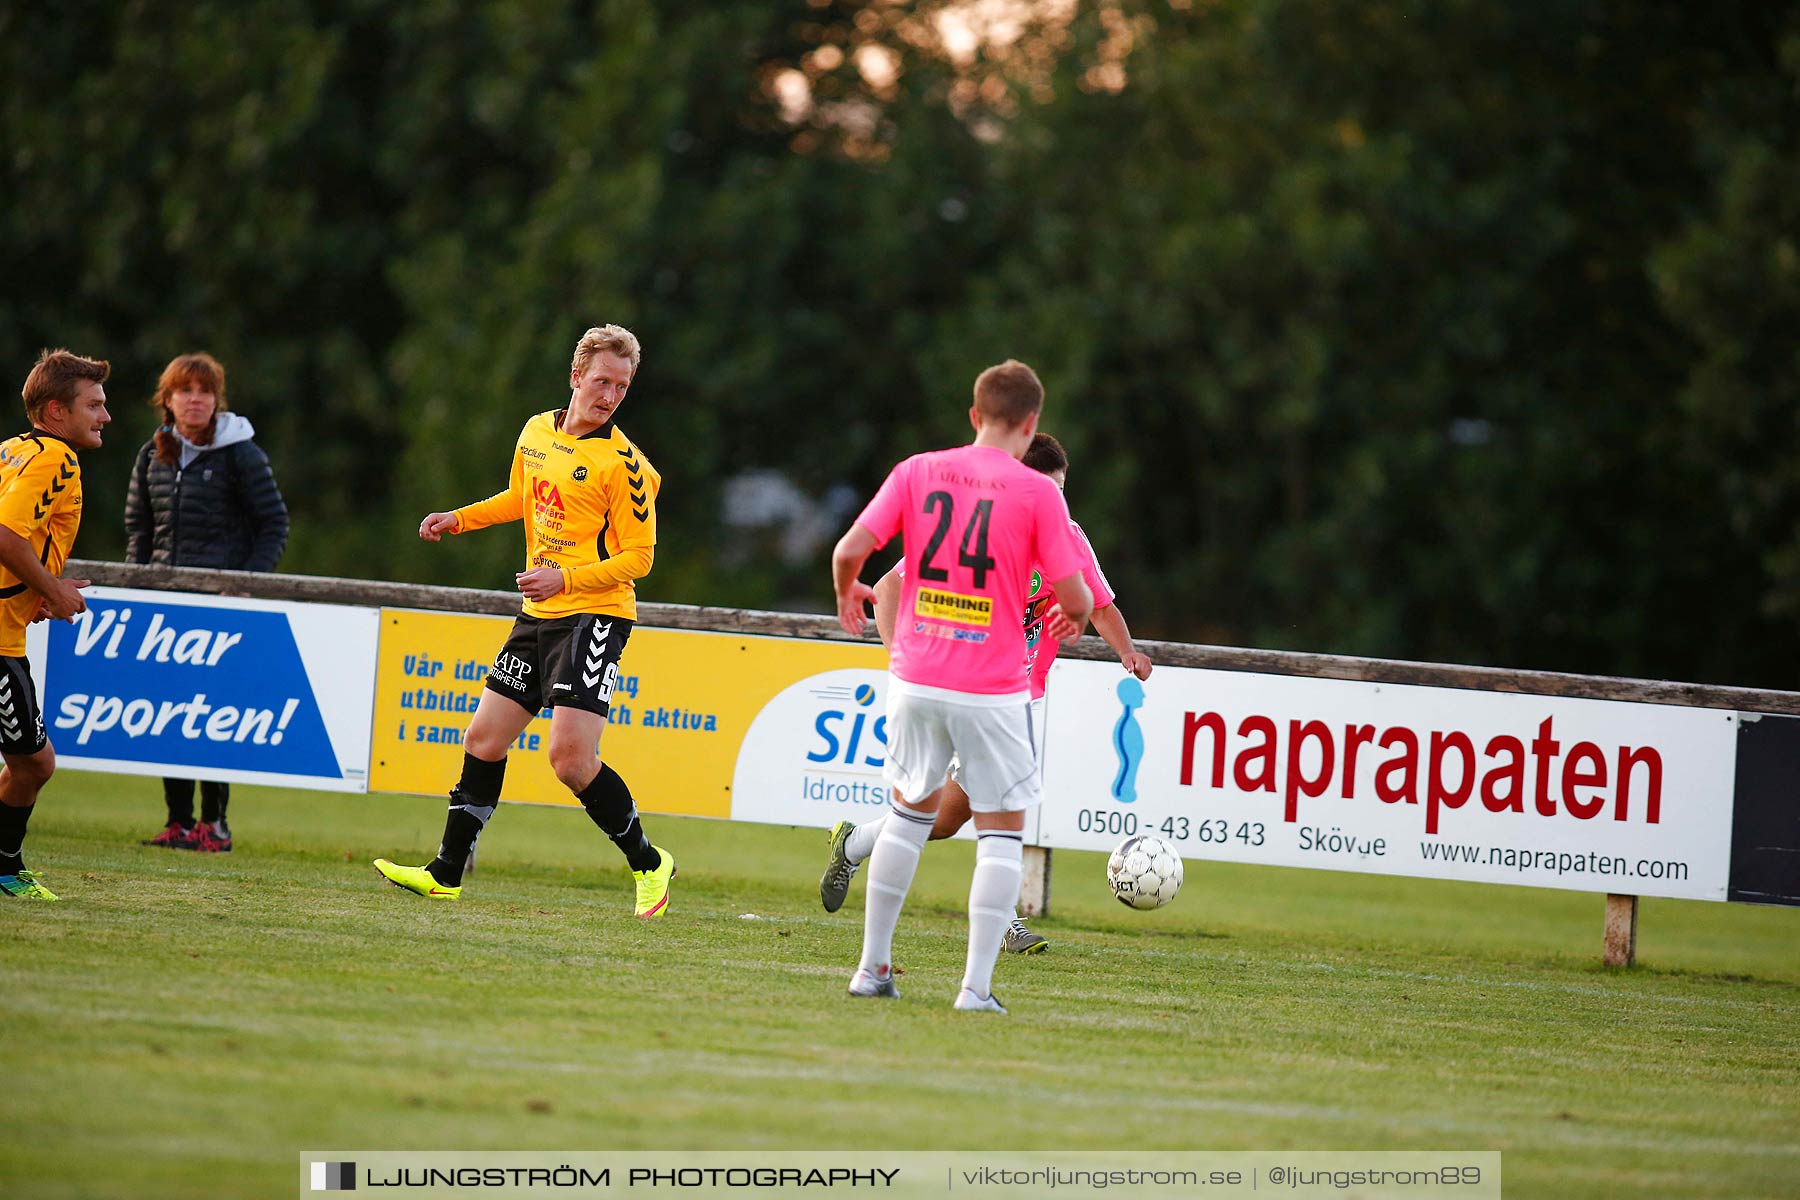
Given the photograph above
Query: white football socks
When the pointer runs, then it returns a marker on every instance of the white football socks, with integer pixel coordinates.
(993, 894)
(891, 867)
(861, 842)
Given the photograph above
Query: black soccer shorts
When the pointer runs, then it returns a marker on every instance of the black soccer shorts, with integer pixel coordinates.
(21, 720)
(570, 661)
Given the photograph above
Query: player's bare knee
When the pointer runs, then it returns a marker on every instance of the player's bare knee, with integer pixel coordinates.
(946, 825)
(574, 767)
(481, 747)
(30, 772)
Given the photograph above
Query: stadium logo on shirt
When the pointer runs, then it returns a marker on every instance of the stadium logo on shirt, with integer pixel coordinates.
(953, 606)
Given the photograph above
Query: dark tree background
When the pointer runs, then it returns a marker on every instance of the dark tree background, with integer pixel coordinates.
(1458, 331)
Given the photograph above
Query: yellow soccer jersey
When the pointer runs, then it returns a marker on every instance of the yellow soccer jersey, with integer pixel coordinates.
(40, 500)
(589, 506)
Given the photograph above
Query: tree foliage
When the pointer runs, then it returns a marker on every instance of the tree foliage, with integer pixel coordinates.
(1456, 330)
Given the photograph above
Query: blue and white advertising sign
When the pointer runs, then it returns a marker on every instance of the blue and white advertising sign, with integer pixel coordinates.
(211, 687)
(814, 754)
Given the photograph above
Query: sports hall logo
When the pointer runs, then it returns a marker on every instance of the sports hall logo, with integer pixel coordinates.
(843, 730)
(815, 752)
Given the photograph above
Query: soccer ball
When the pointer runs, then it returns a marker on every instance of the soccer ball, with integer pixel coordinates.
(1144, 872)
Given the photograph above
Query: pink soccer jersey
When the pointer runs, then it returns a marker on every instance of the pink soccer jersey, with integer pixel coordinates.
(1039, 654)
(975, 521)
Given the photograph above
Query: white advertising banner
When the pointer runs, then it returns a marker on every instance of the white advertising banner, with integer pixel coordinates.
(814, 753)
(210, 687)
(1495, 787)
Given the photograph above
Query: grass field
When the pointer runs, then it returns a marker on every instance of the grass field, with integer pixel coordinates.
(183, 1026)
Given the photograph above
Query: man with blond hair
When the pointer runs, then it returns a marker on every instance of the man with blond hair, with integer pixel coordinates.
(40, 511)
(587, 496)
(974, 521)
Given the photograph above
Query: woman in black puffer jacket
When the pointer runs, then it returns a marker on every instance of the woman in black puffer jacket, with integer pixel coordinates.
(201, 495)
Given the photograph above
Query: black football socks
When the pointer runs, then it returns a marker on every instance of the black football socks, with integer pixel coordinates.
(608, 801)
(472, 803)
(12, 838)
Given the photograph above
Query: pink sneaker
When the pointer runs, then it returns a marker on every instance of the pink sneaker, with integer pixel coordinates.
(211, 839)
(176, 837)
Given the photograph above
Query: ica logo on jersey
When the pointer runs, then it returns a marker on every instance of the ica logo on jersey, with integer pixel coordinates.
(846, 734)
(545, 493)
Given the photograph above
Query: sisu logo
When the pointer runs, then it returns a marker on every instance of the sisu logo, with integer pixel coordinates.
(816, 751)
(845, 731)
(545, 493)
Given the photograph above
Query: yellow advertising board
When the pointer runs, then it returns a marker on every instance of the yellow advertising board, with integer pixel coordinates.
(681, 708)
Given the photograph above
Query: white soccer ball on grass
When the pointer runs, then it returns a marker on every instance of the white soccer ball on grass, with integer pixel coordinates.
(1144, 871)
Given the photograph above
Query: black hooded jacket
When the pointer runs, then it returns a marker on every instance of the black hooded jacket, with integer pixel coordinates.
(223, 510)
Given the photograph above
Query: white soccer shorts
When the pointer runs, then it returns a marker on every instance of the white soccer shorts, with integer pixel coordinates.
(995, 742)
(1037, 746)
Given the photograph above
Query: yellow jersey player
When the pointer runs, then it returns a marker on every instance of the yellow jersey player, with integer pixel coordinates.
(40, 510)
(587, 496)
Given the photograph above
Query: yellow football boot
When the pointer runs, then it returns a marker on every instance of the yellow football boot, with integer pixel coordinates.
(416, 880)
(653, 886)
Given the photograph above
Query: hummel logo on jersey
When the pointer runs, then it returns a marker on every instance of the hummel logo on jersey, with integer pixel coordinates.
(9, 720)
(596, 655)
(634, 475)
(56, 485)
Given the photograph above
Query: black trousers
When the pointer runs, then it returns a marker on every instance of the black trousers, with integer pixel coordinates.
(178, 794)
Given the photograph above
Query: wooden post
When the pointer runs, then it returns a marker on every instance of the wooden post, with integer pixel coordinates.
(1034, 884)
(1621, 930)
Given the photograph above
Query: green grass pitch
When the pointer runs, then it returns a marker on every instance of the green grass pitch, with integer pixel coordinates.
(184, 1025)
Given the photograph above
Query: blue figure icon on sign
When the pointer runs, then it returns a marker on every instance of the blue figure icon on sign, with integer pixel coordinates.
(1128, 741)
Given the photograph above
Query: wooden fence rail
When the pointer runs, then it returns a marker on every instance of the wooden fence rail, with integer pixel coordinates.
(325, 589)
